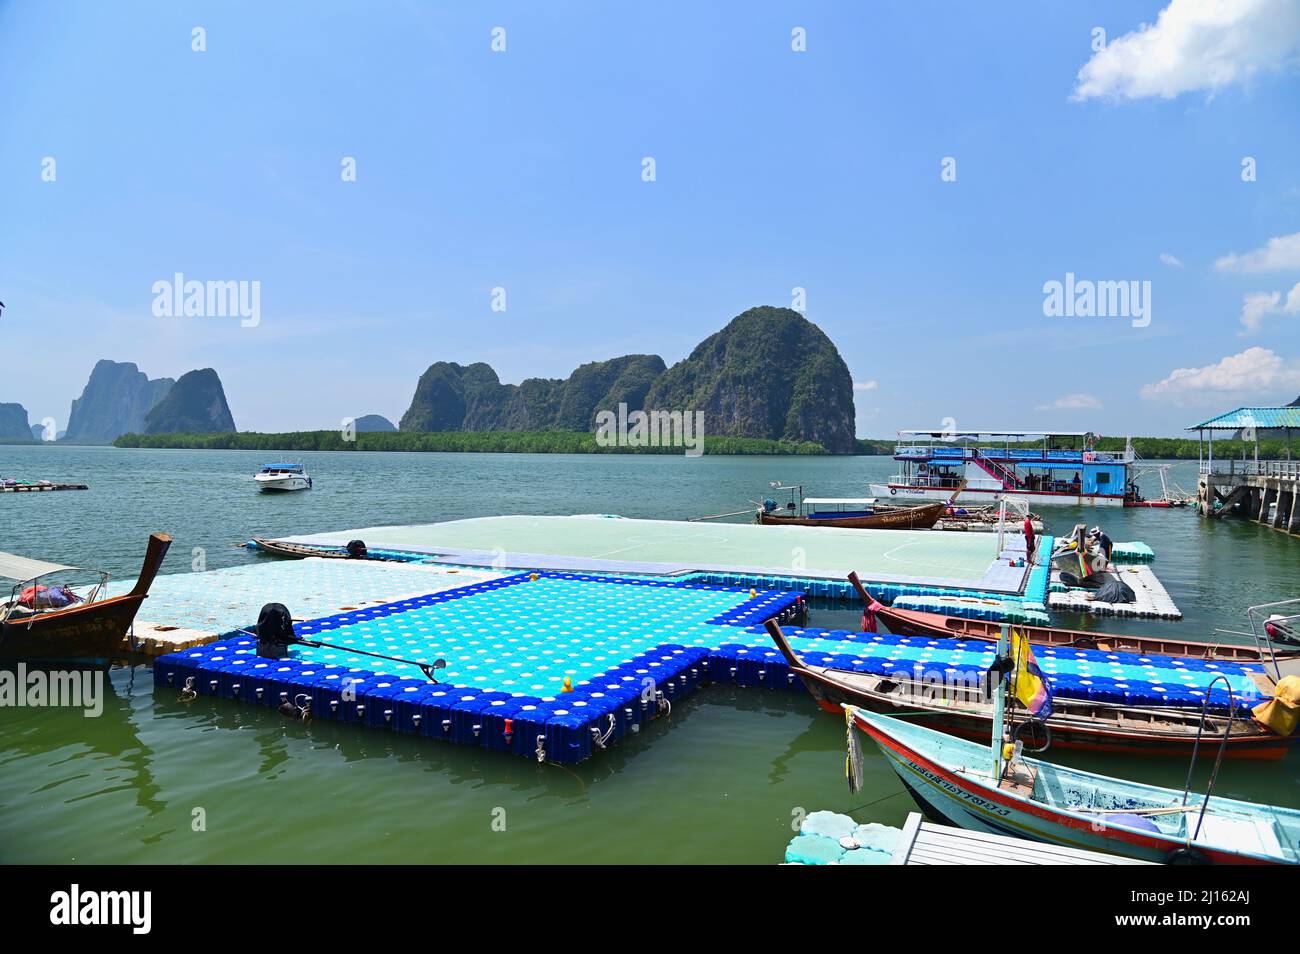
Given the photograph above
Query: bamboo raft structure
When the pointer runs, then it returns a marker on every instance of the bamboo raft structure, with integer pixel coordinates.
(41, 487)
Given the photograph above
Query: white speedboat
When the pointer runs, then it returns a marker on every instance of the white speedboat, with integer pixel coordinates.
(282, 477)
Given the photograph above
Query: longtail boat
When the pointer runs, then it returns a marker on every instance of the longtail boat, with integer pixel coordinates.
(356, 550)
(864, 517)
(92, 628)
(964, 784)
(966, 710)
(904, 622)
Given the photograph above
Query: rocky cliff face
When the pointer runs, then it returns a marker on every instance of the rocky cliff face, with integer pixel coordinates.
(450, 397)
(14, 428)
(603, 385)
(114, 402)
(196, 404)
(770, 373)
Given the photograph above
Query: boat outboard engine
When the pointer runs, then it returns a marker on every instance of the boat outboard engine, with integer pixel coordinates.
(1280, 629)
(356, 549)
(274, 631)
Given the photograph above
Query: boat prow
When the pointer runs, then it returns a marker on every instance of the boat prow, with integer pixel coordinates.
(93, 629)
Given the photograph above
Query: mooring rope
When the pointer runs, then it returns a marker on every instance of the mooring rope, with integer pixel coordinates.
(600, 739)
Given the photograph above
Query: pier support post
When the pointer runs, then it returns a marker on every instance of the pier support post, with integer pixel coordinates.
(1285, 504)
(1244, 503)
(1266, 499)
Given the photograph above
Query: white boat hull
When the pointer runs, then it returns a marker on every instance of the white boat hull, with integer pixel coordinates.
(282, 482)
(905, 493)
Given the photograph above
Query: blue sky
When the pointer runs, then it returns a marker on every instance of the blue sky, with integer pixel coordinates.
(775, 169)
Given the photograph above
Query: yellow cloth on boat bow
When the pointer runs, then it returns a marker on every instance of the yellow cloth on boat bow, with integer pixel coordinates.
(1282, 712)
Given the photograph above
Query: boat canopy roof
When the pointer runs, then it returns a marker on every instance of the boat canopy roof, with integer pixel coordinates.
(941, 434)
(282, 467)
(22, 569)
(841, 501)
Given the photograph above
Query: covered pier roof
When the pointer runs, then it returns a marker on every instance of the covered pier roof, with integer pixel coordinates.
(1257, 417)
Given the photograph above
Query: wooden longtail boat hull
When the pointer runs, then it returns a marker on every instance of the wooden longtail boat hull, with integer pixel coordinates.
(937, 772)
(300, 551)
(89, 631)
(1075, 724)
(907, 518)
(903, 622)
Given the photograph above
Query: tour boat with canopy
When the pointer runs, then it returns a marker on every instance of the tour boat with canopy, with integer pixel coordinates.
(994, 463)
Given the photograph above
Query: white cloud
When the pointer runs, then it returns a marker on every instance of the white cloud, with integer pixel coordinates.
(864, 385)
(1071, 402)
(1195, 45)
(1253, 371)
(1277, 254)
(1255, 306)
(1171, 260)
(1292, 306)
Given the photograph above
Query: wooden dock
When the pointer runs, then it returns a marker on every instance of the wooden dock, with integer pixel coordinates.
(158, 639)
(39, 488)
(1266, 492)
(925, 843)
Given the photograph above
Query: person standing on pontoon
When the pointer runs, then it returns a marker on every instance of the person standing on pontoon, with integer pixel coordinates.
(1102, 540)
(1029, 538)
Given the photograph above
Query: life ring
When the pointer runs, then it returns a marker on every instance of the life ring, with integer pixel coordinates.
(893, 490)
(1186, 856)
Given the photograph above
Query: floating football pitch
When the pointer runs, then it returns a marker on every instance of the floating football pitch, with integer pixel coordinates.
(626, 647)
(559, 666)
(218, 601)
(527, 633)
(604, 544)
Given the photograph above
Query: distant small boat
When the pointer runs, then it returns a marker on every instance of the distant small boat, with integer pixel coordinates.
(960, 782)
(282, 477)
(45, 622)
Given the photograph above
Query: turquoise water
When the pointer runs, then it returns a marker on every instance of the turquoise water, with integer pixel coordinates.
(725, 778)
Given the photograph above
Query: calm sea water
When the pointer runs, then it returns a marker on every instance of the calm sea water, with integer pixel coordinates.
(721, 781)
